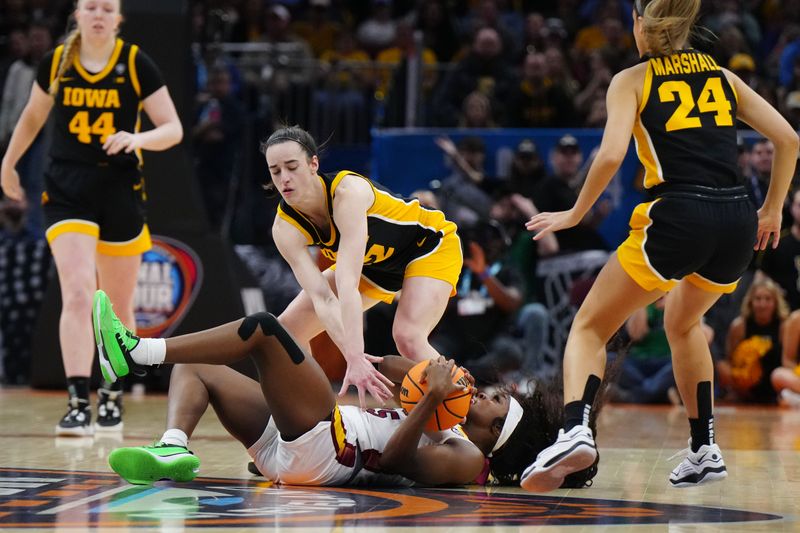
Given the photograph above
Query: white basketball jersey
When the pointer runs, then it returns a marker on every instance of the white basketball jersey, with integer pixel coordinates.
(372, 430)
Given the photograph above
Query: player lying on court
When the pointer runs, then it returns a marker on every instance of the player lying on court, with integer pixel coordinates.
(307, 439)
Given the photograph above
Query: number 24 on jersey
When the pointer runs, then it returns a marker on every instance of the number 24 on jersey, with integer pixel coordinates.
(712, 100)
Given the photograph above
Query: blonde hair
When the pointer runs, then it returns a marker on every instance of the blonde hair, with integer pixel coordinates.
(667, 24)
(72, 46)
(781, 307)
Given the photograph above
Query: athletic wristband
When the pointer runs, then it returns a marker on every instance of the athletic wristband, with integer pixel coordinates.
(483, 276)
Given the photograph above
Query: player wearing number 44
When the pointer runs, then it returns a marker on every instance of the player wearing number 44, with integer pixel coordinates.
(96, 84)
(693, 239)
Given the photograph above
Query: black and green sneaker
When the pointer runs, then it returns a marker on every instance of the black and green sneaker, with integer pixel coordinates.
(114, 341)
(143, 465)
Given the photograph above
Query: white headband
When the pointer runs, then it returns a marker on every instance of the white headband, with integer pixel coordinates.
(512, 421)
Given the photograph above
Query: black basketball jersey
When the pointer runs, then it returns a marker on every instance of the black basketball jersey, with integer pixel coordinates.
(91, 106)
(685, 132)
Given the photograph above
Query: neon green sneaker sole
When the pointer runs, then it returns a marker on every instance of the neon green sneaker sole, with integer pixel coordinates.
(113, 363)
(144, 465)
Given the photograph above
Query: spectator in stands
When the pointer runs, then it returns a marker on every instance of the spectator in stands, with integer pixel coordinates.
(607, 30)
(600, 74)
(24, 271)
(249, 25)
(743, 161)
(734, 13)
(482, 69)
(15, 95)
(318, 28)
(731, 42)
(477, 112)
(512, 209)
(283, 76)
(461, 195)
(433, 17)
(538, 101)
(557, 193)
(792, 109)
(17, 86)
(534, 35)
(754, 344)
(760, 168)
(646, 375)
(404, 48)
(478, 324)
(340, 101)
(18, 48)
(217, 138)
(378, 30)
(781, 263)
(558, 70)
(789, 73)
(527, 171)
(786, 378)
(292, 58)
(486, 14)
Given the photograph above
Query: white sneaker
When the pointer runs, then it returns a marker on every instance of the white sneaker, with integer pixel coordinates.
(703, 466)
(572, 452)
(790, 398)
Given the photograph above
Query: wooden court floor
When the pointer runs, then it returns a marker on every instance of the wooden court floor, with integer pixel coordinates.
(65, 484)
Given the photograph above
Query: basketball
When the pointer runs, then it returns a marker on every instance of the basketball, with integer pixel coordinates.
(452, 410)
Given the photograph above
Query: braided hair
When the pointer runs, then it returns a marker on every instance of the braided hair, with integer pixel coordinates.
(72, 46)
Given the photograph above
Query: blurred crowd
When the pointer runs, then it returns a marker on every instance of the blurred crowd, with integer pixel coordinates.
(340, 68)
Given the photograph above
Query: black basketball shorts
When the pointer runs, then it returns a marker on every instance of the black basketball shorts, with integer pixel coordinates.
(105, 202)
(707, 239)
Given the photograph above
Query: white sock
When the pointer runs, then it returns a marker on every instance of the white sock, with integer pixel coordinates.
(175, 437)
(150, 352)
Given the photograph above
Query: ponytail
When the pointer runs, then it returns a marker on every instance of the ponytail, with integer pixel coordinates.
(667, 24)
(72, 46)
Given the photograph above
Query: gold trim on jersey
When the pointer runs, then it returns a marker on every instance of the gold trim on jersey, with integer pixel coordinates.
(72, 225)
(653, 173)
(136, 128)
(711, 286)
(94, 78)
(648, 84)
(132, 70)
(341, 175)
(55, 62)
(733, 88)
(345, 452)
(139, 244)
(328, 210)
(633, 256)
(285, 216)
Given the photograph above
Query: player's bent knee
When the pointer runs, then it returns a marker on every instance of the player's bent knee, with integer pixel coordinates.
(270, 327)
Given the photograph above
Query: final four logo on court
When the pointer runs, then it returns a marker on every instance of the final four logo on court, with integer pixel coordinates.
(169, 279)
(38, 499)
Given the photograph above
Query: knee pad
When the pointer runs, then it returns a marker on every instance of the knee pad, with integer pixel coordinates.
(270, 327)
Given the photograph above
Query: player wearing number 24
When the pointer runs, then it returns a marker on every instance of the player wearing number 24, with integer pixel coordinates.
(693, 238)
(95, 84)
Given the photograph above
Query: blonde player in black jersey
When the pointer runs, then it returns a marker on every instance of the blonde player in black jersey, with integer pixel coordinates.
(96, 85)
(380, 244)
(693, 240)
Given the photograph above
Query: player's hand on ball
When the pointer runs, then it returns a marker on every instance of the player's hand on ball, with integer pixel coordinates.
(439, 378)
